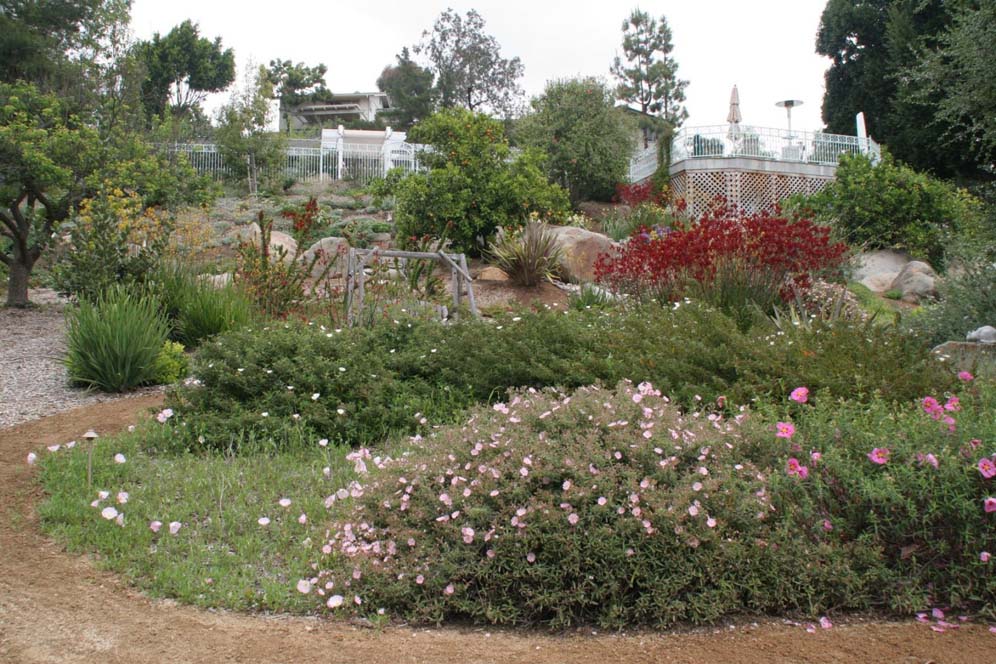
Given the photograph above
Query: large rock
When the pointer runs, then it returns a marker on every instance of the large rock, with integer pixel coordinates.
(492, 273)
(984, 335)
(916, 282)
(579, 249)
(878, 269)
(247, 233)
(333, 251)
(968, 356)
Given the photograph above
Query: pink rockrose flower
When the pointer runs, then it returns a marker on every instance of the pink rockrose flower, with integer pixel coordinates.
(965, 376)
(800, 395)
(987, 468)
(984, 556)
(989, 504)
(879, 455)
(784, 430)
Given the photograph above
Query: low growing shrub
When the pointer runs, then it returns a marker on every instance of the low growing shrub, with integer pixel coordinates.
(113, 343)
(614, 508)
(382, 376)
(728, 260)
(968, 301)
(170, 365)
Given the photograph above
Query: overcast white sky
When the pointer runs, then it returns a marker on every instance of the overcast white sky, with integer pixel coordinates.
(766, 47)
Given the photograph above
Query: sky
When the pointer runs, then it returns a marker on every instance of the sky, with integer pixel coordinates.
(765, 47)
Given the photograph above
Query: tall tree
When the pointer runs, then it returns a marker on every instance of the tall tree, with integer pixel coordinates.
(295, 84)
(955, 79)
(182, 68)
(587, 140)
(46, 157)
(467, 63)
(65, 48)
(410, 89)
(250, 149)
(648, 76)
(874, 47)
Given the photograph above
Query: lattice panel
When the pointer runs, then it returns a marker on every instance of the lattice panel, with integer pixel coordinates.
(750, 191)
(679, 187)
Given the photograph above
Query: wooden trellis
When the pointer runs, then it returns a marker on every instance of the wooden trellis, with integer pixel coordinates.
(357, 261)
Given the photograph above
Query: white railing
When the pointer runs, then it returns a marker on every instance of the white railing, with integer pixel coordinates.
(643, 164)
(359, 161)
(729, 141)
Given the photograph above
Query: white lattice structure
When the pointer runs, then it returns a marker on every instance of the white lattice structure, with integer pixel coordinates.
(752, 185)
(754, 169)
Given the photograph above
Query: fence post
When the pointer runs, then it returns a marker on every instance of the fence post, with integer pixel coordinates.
(339, 144)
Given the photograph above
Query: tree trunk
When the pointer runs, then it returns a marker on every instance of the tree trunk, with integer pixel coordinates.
(17, 284)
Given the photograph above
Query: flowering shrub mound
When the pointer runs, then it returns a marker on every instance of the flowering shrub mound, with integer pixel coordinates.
(761, 257)
(611, 507)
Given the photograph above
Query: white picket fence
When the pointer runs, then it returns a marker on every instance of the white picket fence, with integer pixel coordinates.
(358, 162)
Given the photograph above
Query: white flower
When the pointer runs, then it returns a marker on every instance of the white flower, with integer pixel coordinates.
(108, 513)
(119, 458)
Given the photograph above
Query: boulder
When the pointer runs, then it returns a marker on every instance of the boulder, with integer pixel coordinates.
(330, 247)
(967, 356)
(984, 335)
(915, 282)
(492, 273)
(244, 233)
(878, 269)
(281, 240)
(579, 249)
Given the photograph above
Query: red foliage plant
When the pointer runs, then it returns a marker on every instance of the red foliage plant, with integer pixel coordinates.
(641, 192)
(304, 219)
(661, 262)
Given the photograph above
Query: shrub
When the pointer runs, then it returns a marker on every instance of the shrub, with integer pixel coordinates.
(968, 301)
(195, 309)
(890, 205)
(113, 342)
(113, 240)
(587, 140)
(528, 255)
(728, 260)
(275, 281)
(170, 365)
(471, 186)
(648, 215)
(614, 508)
(380, 377)
(634, 194)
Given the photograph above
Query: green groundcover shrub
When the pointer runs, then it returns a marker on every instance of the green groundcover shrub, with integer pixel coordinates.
(358, 386)
(615, 508)
(968, 301)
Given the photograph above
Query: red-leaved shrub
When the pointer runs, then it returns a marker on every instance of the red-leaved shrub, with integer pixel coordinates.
(641, 192)
(760, 258)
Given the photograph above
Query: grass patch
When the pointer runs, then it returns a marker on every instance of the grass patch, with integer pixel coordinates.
(872, 303)
(222, 556)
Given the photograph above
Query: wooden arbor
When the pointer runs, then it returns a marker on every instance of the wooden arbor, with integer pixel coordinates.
(357, 261)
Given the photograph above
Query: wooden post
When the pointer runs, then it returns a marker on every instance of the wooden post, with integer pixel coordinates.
(470, 287)
(350, 260)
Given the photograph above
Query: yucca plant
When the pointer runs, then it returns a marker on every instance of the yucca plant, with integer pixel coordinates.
(528, 255)
(113, 342)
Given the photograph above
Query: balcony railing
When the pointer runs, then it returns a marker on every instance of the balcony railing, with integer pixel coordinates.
(730, 141)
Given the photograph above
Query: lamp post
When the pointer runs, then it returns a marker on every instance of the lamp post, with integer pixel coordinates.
(788, 105)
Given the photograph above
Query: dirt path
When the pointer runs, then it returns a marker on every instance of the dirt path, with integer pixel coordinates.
(58, 608)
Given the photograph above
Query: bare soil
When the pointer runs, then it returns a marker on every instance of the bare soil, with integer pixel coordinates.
(56, 607)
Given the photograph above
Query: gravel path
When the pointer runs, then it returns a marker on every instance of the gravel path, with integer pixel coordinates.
(32, 379)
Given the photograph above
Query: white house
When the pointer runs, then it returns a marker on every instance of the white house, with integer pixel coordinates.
(338, 109)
